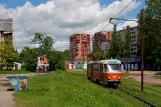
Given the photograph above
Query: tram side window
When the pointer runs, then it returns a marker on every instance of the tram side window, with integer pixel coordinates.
(95, 67)
(106, 68)
(89, 67)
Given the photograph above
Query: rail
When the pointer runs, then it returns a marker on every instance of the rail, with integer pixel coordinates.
(134, 96)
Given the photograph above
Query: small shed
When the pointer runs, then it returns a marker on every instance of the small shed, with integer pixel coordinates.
(17, 66)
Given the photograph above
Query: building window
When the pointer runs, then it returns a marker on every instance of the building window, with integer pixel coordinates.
(41, 58)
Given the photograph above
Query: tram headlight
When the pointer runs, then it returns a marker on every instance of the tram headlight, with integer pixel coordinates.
(119, 78)
(109, 78)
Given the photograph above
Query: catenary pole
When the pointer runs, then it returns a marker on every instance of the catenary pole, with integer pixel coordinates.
(142, 51)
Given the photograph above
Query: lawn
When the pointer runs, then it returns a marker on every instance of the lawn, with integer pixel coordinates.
(14, 72)
(67, 89)
(72, 89)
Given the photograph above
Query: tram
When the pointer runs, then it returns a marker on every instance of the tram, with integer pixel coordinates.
(106, 72)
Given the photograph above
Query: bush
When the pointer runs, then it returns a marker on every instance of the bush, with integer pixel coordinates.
(29, 67)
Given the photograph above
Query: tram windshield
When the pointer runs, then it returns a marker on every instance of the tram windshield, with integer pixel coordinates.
(112, 67)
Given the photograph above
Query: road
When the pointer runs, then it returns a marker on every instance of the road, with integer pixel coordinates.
(6, 97)
(148, 77)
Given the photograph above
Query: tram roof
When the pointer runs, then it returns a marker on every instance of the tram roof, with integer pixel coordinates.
(108, 61)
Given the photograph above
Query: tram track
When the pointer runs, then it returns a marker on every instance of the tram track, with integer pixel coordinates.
(138, 99)
(121, 96)
(151, 89)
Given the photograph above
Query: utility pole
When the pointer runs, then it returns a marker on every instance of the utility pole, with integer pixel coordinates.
(141, 43)
(142, 50)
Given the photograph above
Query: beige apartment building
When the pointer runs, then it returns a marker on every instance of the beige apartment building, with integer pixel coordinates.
(6, 30)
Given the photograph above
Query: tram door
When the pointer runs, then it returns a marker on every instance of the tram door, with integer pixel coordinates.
(91, 70)
(101, 72)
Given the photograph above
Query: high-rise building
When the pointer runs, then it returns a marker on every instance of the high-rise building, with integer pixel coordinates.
(79, 46)
(6, 30)
(134, 35)
(101, 41)
(146, 3)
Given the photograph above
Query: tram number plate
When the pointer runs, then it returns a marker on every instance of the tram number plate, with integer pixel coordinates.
(114, 76)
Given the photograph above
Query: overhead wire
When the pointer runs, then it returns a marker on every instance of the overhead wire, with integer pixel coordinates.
(117, 14)
(115, 17)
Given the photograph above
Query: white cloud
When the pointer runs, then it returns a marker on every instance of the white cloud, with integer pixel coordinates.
(127, 23)
(61, 45)
(61, 18)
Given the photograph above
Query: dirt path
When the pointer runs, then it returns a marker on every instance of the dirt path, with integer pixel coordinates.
(148, 77)
(6, 98)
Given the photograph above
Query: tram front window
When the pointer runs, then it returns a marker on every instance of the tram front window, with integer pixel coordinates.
(112, 67)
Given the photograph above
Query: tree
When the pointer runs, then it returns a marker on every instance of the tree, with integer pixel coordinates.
(115, 43)
(29, 58)
(56, 60)
(152, 32)
(46, 43)
(66, 54)
(107, 54)
(7, 53)
(127, 42)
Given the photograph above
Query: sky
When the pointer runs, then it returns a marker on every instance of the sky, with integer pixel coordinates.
(62, 18)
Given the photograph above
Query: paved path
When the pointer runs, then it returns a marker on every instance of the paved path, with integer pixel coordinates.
(148, 77)
(6, 98)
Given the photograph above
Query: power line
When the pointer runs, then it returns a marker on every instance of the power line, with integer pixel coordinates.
(118, 14)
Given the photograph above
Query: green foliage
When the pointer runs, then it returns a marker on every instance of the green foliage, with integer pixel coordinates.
(57, 60)
(7, 53)
(28, 57)
(66, 54)
(127, 42)
(30, 66)
(132, 55)
(152, 32)
(107, 54)
(115, 46)
(46, 43)
(97, 55)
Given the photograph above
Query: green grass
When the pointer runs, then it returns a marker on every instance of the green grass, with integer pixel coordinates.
(72, 89)
(14, 72)
(150, 93)
(157, 76)
(67, 89)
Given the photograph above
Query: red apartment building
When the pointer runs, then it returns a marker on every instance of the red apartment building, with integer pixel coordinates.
(101, 40)
(79, 46)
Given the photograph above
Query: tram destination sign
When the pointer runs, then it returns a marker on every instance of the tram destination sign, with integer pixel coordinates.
(113, 62)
